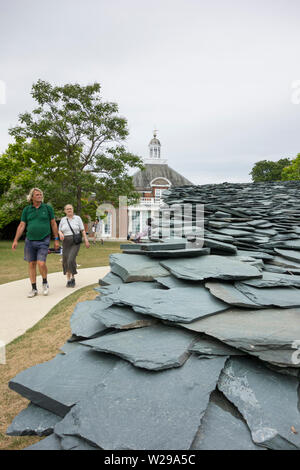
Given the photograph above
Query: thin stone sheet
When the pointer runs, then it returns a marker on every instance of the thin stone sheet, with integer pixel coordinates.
(110, 279)
(175, 305)
(171, 281)
(268, 402)
(210, 267)
(157, 347)
(58, 384)
(138, 409)
(223, 428)
(185, 253)
(229, 294)
(291, 255)
(285, 297)
(265, 333)
(51, 442)
(133, 268)
(123, 318)
(274, 280)
(33, 421)
(210, 346)
(83, 322)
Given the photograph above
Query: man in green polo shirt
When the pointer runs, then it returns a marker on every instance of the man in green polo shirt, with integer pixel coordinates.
(39, 220)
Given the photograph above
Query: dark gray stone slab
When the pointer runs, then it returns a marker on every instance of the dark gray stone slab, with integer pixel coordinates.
(223, 428)
(138, 409)
(58, 384)
(123, 318)
(171, 281)
(270, 268)
(291, 255)
(211, 346)
(51, 442)
(217, 245)
(274, 280)
(110, 279)
(284, 262)
(250, 331)
(229, 294)
(76, 443)
(268, 402)
(255, 254)
(186, 253)
(210, 267)
(269, 296)
(33, 420)
(155, 348)
(133, 268)
(83, 323)
(291, 244)
(163, 246)
(178, 304)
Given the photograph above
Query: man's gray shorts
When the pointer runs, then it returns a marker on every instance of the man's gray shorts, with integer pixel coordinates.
(36, 250)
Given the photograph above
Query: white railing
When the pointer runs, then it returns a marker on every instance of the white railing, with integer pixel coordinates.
(147, 201)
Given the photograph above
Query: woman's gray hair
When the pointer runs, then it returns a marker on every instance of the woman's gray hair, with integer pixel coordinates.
(29, 196)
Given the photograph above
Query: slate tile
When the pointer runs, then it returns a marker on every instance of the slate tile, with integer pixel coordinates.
(157, 347)
(210, 267)
(223, 428)
(33, 420)
(123, 318)
(83, 323)
(109, 279)
(211, 346)
(141, 409)
(133, 268)
(250, 331)
(178, 304)
(269, 296)
(58, 384)
(274, 280)
(51, 442)
(268, 402)
(229, 294)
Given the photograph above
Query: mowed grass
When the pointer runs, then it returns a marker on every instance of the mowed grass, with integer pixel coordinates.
(42, 342)
(39, 344)
(13, 267)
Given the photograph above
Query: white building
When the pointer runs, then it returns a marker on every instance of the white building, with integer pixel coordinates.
(150, 183)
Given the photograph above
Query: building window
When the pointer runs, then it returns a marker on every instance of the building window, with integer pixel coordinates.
(136, 225)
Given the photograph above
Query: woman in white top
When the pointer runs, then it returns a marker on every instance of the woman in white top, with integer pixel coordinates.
(70, 249)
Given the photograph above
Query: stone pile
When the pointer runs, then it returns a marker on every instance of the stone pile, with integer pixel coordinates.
(184, 351)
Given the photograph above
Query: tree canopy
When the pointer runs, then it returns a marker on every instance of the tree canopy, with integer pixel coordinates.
(292, 172)
(266, 170)
(71, 146)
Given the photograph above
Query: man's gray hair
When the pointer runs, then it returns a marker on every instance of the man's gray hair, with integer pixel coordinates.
(29, 196)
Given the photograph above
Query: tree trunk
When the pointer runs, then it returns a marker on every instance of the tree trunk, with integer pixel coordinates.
(78, 208)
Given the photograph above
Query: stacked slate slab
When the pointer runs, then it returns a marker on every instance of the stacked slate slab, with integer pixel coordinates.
(196, 347)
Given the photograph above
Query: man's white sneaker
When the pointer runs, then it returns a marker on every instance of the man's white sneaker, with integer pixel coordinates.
(32, 293)
(45, 289)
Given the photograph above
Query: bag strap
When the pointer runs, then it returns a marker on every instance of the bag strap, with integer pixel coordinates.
(70, 226)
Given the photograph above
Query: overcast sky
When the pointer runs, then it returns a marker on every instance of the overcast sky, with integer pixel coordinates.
(214, 77)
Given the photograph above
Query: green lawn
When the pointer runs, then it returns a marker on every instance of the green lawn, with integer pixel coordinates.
(13, 266)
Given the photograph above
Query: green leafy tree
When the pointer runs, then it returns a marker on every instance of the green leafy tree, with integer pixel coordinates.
(266, 170)
(292, 172)
(74, 143)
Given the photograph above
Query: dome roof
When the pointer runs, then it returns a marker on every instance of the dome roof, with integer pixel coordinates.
(154, 141)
